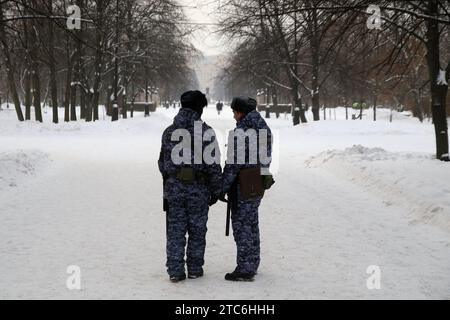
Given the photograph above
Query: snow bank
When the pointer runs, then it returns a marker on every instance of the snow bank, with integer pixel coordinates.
(10, 126)
(19, 164)
(413, 180)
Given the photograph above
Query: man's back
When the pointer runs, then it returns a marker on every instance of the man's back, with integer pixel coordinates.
(189, 181)
(186, 136)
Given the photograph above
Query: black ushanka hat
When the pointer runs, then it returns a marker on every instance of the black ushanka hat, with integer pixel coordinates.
(243, 104)
(194, 100)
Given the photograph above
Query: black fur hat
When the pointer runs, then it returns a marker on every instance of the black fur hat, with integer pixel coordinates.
(194, 100)
(243, 104)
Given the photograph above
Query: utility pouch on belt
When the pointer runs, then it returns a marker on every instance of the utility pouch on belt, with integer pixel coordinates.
(268, 181)
(251, 183)
(186, 175)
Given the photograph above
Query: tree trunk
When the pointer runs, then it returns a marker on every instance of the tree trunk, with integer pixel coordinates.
(35, 79)
(73, 88)
(439, 95)
(95, 105)
(83, 97)
(9, 68)
(439, 89)
(315, 46)
(275, 101)
(375, 108)
(298, 113)
(73, 102)
(361, 108)
(88, 110)
(36, 92)
(316, 106)
(68, 89)
(132, 100)
(302, 112)
(82, 104)
(27, 84)
(28, 98)
(295, 115)
(124, 100)
(13, 89)
(80, 70)
(115, 112)
(315, 97)
(109, 93)
(53, 83)
(79, 77)
(97, 77)
(417, 110)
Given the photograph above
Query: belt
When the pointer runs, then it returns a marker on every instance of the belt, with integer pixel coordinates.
(189, 175)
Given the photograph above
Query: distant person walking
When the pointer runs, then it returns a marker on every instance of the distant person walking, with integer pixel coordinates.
(219, 107)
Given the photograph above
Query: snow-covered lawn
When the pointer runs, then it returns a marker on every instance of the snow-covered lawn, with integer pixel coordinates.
(349, 195)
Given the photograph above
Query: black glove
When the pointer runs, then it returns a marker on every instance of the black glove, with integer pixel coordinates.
(213, 200)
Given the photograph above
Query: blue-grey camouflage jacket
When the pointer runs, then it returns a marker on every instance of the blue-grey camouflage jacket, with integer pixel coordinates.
(186, 119)
(252, 120)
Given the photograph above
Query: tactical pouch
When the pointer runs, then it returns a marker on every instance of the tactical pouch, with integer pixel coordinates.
(267, 181)
(186, 175)
(251, 183)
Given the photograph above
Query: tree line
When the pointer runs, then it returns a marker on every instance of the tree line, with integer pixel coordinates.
(85, 53)
(333, 53)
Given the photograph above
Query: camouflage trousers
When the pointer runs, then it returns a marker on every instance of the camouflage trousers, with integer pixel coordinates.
(246, 235)
(186, 218)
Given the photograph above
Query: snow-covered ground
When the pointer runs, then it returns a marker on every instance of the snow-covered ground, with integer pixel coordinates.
(16, 165)
(349, 195)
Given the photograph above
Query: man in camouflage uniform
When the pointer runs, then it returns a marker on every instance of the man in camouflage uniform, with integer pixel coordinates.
(245, 214)
(190, 186)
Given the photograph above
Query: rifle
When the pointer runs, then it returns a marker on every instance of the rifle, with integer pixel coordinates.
(227, 227)
(232, 200)
(166, 206)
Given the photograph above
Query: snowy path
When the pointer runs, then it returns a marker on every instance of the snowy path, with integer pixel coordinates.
(98, 206)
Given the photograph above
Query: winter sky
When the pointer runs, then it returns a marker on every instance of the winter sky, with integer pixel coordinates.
(203, 12)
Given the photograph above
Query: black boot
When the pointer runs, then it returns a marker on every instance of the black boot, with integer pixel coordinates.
(238, 276)
(178, 278)
(195, 275)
